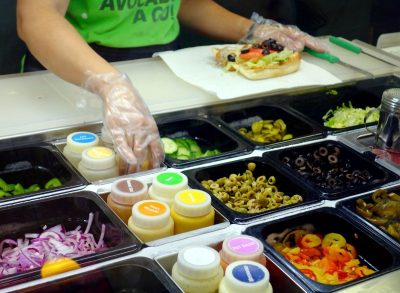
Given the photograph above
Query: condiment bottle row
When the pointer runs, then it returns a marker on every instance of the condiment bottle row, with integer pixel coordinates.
(203, 269)
(166, 208)
(93, 161)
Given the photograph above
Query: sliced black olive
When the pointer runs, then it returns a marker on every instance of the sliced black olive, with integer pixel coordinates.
(323, 151)
(317, 170)
(244, 51)
(299, 161)
(316, 155)
(268, 43)
(232, 57)
(265, 52)
(279, 47)
(332, 159)
(274, 46)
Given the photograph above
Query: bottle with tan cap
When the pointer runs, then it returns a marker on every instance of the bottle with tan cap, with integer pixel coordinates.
(76, 143)
(166, 184)
(124, 194)
(192, 210)
(98, 163)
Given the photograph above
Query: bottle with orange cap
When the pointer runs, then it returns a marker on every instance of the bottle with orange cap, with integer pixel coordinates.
(151, 220)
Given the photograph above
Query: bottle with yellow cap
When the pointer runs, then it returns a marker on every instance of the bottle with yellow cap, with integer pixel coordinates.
(245, 276)
(151, 220)
(241, 247)
(192, 210)
(166, 184)
(198, 270)
(76, 143)
(98, 163)
(124, 194)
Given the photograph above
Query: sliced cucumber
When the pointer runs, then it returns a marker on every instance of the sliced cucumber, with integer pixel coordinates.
(182, 157)
(183, 151)
(169, 144)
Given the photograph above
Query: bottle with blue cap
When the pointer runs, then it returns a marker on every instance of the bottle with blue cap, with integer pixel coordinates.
(76, 143)
(245, 276)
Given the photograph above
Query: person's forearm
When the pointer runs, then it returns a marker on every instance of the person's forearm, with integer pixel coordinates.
(211, 19)
(55, 43)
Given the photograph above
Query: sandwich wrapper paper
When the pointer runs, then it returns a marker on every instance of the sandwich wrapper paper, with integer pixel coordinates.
(196, 65)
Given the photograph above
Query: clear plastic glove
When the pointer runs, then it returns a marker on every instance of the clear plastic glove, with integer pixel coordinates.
(289, 36)
(127, 118)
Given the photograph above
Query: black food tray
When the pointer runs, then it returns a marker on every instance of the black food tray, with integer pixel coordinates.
(361, 94)
(208, 135)
(264, 166)
(375, 252)
(331, 178)
(244, 116)
(37, 165)
(70, 210)
(138, 274)
(350, 207)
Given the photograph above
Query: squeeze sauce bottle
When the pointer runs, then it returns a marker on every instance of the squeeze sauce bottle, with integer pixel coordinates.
(151, 220)
(241, 247)
(245, 276)
(166, 184)
(124, 194)
(98, 163)
(77, 142)
(198, 270)
(192, 210)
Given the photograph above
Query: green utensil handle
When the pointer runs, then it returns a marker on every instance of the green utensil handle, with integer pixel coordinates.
(345, 44)
(324, 55)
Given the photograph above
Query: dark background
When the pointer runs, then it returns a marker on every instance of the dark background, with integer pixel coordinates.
(352, 19)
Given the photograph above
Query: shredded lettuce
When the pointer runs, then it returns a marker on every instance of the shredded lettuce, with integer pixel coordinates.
(267, 59)
(347, 116)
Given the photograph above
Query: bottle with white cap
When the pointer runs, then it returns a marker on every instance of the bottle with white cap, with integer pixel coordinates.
(198, 270)
(166, 184)
(241, 247)
(151, 220)
(77, 142)
(124, 194)
(245, 276)
(192, 210)
(98, 163)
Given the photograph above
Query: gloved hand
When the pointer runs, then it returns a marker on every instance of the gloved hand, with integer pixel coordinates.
(289, 36)
(127, 118)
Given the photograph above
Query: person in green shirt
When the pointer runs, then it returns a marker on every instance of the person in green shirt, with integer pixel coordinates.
(77, 40)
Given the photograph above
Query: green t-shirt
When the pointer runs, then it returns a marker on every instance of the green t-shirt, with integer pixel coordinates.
(125, 23)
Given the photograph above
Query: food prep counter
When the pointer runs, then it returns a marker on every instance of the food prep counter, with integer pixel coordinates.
(34, 133)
